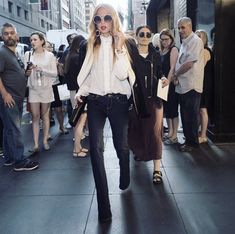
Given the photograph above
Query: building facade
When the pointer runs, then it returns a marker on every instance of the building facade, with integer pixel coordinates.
(137, 13)
(61, 14)
(77, 15)
(28, 17)
(89, 8)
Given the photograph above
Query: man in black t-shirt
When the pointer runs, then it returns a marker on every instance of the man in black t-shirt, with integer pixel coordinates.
(12, 90)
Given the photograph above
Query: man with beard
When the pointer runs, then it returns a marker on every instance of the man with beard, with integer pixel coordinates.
(12, 90)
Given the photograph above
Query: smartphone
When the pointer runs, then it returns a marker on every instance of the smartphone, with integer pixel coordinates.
(29, 65)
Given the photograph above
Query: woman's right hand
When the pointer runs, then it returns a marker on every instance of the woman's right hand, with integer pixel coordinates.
(175, 81)
(78, 98)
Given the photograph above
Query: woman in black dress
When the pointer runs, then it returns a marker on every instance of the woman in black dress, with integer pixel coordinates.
(207, 100)
(169, 55)
(145, 130)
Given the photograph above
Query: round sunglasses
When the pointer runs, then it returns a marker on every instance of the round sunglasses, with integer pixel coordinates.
(107, 19)
(143, 34)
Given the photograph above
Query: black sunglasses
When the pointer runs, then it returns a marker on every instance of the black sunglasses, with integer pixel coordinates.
(147, 34)
(107, 19)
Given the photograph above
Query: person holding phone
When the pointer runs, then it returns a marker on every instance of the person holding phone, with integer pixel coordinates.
(12, 93)
(44, 70)
(104, 79)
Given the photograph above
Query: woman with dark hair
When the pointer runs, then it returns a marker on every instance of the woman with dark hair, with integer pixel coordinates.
(145, 131)
(61, 50)
(57, 103)
(40, 82)
(169, 55)
(72, 68)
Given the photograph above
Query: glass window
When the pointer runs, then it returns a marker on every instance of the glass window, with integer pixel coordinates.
(10, 7)
(18, 11)
(42, 23)
(26, 15)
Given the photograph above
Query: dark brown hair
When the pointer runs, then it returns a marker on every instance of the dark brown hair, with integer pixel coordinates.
(73, 50)
(167, 32)
(41, 37)
(140, 27)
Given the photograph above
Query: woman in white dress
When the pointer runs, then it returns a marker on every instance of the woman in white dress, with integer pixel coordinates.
(40, 86)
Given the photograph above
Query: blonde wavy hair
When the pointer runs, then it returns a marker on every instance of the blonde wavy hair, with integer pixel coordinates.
(94, 40)
(203, 35)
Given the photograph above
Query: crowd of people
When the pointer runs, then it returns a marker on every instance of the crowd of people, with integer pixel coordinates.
(119, 74)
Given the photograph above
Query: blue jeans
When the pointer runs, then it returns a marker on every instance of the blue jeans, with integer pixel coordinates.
(1, 133)
(13, 147)
(189, 110)
(115, 108)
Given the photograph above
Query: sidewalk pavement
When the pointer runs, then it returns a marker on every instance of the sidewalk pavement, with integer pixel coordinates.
(197, 196)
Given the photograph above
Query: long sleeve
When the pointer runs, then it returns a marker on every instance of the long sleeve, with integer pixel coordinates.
(121, 66)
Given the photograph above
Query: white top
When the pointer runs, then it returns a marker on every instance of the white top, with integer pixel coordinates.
(46, 61)
(191, 50)
(144, 55)
(106, 76)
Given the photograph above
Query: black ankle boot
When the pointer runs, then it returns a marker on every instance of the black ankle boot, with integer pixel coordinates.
(124, 180)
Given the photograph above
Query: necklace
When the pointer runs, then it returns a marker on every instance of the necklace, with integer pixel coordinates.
(143, 49)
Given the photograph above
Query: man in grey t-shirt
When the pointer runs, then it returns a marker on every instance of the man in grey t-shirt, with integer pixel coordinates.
(12, 90)
(189, 75)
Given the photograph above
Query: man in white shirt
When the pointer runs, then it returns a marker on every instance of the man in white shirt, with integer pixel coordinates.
(189, 81)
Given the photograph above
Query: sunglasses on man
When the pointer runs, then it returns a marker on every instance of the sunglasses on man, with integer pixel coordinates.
(143, 34)
(107, 19)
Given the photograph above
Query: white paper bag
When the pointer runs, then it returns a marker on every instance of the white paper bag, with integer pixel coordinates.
(162, 92)
(64, 93)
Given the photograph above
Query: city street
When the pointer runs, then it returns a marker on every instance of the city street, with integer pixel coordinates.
(197, 195)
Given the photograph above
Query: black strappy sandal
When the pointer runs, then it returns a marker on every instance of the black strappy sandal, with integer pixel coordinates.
(157, 177)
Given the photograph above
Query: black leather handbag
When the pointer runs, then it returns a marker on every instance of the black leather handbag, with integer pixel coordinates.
(77, 111)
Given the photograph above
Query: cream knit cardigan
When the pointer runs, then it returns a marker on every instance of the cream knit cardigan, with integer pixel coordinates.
(86, 68)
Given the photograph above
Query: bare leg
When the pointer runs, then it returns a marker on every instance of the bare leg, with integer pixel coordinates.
(45, 110)
(35, 111)
(157, 165)
(157, 128)
(204, 122)
(60, 117)
(170, 127)
(157, 175)
(78, 132)
(175, 125)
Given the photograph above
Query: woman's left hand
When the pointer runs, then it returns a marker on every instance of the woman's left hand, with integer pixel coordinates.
(165, 82)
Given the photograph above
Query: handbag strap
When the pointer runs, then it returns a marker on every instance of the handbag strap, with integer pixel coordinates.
(29, 56)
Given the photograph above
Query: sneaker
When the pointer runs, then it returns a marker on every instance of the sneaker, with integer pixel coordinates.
(1, 152)
(27, 166)
(52, 122)
(86, 132)
(187, 148)
(171, 141)
(9, 162)
(165, 137)
(165, 129)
